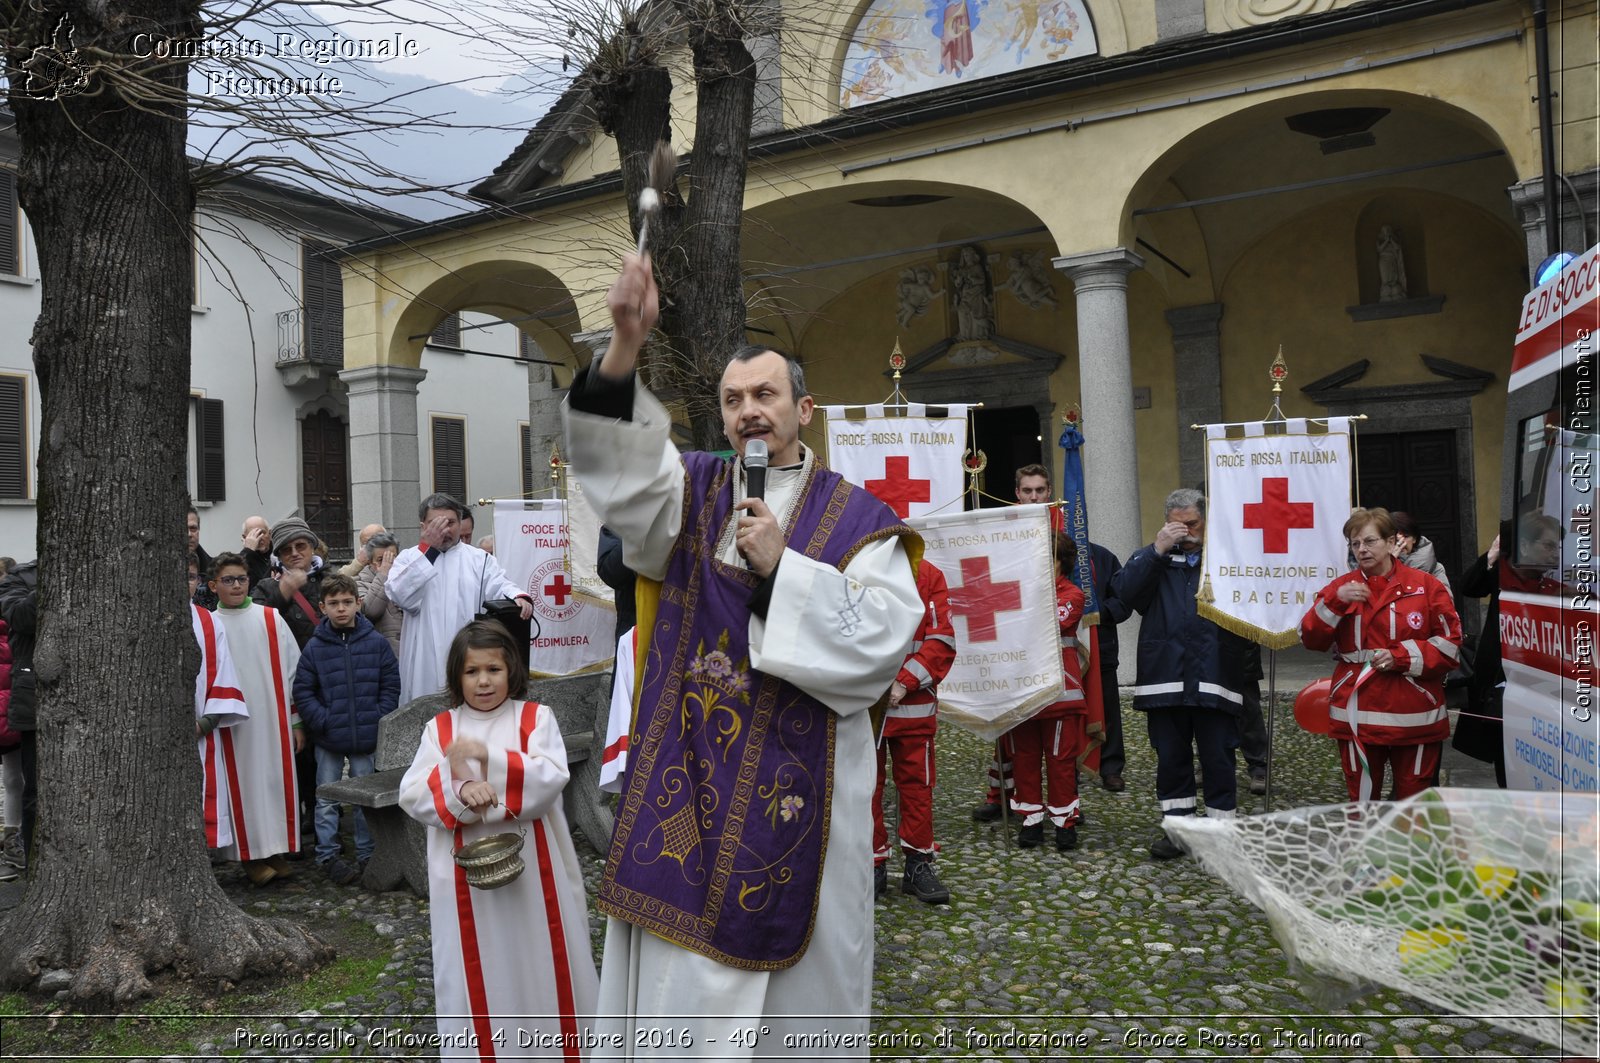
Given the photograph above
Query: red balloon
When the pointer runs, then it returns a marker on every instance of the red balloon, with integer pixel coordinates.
(1311, 707)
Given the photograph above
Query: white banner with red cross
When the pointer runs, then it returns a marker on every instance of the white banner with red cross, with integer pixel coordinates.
(1003, 603)
(1274, 525)
(575, 630)
(912, 463)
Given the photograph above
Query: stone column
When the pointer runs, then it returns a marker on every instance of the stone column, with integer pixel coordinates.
(385, 467)
(544, 419)
(1105, 374)
(1197, 371)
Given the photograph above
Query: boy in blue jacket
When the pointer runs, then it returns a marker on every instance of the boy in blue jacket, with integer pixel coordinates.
(347, 681)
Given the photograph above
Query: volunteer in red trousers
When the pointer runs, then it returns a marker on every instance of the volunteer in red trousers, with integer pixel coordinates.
(908, 729)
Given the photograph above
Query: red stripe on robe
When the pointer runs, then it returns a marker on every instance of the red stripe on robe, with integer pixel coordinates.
(445, 726)
(235, 798)
(514, 772)
(291, 803)
(210, 800)
(472, 963)
(558, 944)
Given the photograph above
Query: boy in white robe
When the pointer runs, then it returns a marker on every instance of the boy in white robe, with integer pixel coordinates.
(260, 752)
(218, 703)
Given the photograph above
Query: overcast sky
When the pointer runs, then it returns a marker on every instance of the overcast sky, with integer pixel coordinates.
(481, 82)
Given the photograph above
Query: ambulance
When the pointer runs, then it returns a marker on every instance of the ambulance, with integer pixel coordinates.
(1549, 609)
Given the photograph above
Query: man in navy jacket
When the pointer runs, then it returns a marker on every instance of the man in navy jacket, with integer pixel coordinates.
(1191, 680)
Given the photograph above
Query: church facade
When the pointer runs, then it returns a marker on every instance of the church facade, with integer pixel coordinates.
(1128, 206)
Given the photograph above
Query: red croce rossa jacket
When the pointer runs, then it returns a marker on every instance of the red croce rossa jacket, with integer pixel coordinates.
(1412, 616)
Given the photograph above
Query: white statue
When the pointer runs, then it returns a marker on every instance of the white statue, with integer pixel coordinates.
(1391, 266)
(1029, 280)
(969, 282)
(916, 294)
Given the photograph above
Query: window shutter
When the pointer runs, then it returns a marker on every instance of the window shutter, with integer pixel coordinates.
(211, 478)
(527, 346)
(323, 301)
(10, 238)
(448, 334)
(13, 437)
(450, 457)
(527, 462)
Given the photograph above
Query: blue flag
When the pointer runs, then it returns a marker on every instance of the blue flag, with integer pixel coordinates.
(1075, 513)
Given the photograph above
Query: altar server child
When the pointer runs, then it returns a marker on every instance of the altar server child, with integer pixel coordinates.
(1057, 733)
(511, 965)
(348, 680)
(260, 751)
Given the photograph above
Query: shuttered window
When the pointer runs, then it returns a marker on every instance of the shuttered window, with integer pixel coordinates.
(527, 462)
(448, 334)
(528, 347)
(322, 296)
(450, 457)
(13, 436)
(210, 467)
(10, 225)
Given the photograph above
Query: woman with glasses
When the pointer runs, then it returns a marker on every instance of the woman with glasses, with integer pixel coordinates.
(1395, 635)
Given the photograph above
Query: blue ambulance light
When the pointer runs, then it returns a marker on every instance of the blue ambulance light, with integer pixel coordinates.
(1551, 266)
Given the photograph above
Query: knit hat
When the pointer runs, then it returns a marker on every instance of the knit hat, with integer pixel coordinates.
(288, 530)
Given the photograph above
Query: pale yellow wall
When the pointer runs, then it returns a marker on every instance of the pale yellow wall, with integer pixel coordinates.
(1155, 429)
(1292, 289)
(1575, 62)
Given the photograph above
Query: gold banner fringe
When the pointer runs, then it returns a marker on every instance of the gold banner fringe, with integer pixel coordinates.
(1272, 640)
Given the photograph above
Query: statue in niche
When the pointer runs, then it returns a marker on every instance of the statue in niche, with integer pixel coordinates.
(1029, 280)
(916, 293)
(1391, 266)
(974, 296)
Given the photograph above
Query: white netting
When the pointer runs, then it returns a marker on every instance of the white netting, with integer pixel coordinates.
(1484, 902)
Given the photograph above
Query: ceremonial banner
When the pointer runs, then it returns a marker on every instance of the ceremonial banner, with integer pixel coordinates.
(1003, 601)
(1075, 521)
(1274, 526)
(912, 463)
(575, 632)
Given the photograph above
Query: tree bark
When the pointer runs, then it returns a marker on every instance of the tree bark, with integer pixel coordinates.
(695, 244)
(121, 886)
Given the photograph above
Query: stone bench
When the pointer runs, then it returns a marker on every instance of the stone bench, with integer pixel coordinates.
(400, 854)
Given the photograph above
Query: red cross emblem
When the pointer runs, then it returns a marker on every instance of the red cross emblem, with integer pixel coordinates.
(979, 600)
(897, 489)
(1274, 516)
(558, 589)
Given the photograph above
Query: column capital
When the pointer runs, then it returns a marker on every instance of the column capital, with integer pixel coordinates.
(387, 377)
(1191, 322)
(597, 341)
(1100, 268)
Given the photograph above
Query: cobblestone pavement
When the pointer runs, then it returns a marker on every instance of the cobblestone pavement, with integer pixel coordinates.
(1101, 952)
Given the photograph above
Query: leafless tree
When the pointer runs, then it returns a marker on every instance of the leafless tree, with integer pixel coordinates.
(108, 97)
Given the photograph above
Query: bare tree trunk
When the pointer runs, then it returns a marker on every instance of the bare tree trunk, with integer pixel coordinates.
(696, 243)
(121, 886)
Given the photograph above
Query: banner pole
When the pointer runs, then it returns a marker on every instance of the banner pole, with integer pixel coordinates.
(1272, 704)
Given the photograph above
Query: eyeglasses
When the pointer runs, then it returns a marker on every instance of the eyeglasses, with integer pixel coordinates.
(1369, 543)
(233, 581)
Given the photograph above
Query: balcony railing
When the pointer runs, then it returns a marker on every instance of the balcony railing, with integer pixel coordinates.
(310, 337)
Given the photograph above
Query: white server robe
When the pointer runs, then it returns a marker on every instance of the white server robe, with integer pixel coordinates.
(259, 751)
(633, 477)
(438, 597)
(513, 974)
(216, 693)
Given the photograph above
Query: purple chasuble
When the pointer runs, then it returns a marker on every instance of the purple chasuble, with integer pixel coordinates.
(721, 831)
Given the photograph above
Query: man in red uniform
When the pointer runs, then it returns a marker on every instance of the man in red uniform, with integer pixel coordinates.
(1396, 635)
(1057, 734)
(908, 729)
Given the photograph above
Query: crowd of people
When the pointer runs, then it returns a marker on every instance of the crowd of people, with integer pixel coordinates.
(736, 890)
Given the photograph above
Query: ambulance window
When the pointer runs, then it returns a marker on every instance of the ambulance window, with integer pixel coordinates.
(1556, 480)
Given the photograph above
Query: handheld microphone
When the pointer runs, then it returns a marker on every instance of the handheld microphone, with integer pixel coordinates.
(755, 468)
